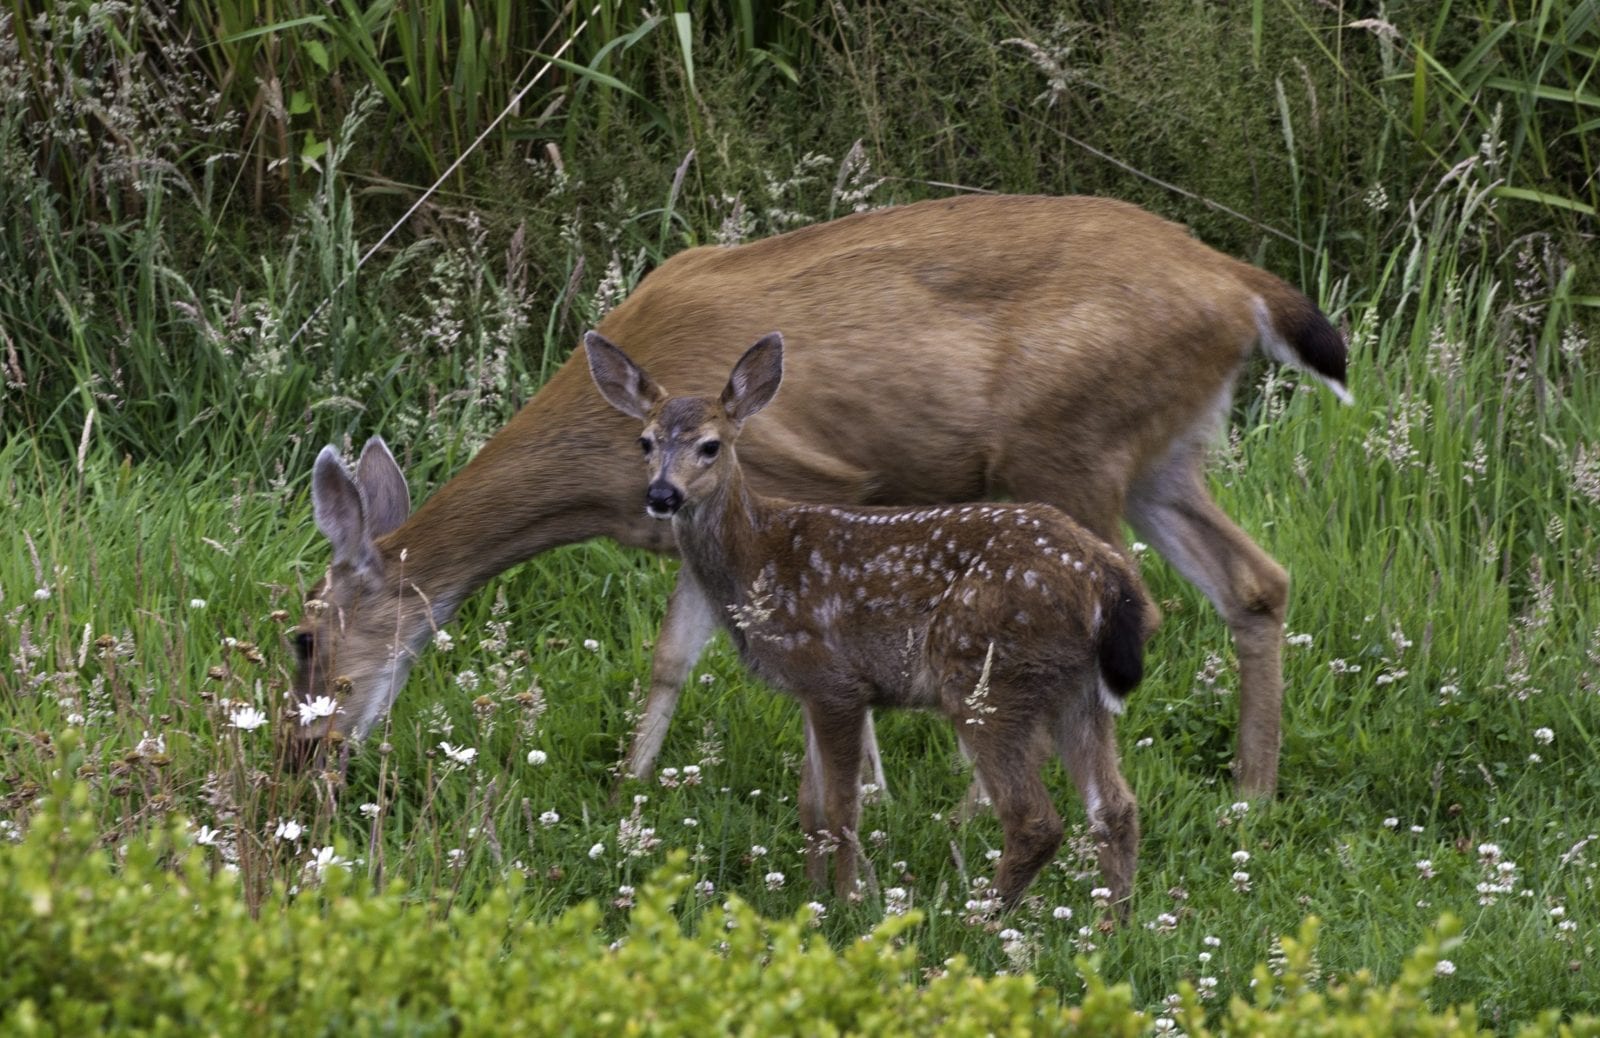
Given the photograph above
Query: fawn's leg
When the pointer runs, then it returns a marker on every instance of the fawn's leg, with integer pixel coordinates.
(837, 734)
(1088, 745)
(689, 625)
(1007, 761)
(871, 760)
(1171, 508)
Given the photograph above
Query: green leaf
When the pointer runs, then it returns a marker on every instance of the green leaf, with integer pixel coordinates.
(310, 19)
(317, 52)
(681, 20)
(299, 103)
(1543, 92)
(1524, 194)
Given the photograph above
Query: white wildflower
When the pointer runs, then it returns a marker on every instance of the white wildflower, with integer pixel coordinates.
(324, 858)
(247, 718)
(322, 706)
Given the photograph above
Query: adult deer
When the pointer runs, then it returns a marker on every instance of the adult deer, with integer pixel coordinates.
(1021, 627)
(1120, 337)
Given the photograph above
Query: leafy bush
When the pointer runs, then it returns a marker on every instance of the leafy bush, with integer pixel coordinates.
(145, 939)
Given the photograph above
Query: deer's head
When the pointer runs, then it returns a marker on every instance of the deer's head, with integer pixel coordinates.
(687, 442)
(348, 663)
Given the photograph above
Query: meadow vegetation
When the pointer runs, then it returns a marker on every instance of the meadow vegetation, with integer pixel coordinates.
(191, 305)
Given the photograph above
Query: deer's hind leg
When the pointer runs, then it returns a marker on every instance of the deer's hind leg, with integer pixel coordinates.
(1087, 741)
(1172, 509)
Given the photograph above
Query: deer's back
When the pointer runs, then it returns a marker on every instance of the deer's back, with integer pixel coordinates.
(926, 344)
(908, 602)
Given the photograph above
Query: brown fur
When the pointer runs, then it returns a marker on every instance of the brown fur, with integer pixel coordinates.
(997, 616)
(1118, 337)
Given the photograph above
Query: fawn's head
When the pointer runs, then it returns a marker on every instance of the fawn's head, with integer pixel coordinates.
(343, 644)
(687, 441)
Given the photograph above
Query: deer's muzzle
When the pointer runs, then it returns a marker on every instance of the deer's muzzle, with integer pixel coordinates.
(662, 500)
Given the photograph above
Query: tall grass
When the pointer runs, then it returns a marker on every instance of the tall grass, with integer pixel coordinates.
(160, 416)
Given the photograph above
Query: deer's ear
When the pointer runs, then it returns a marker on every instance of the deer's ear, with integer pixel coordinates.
(340, 514)
(755, 378)
(385, 495)
(623, 383)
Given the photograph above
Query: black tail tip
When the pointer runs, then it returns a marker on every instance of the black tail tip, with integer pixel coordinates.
(1122, 643)
(1316, 340)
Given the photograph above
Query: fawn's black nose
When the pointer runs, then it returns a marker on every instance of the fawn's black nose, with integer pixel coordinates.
(662, 500)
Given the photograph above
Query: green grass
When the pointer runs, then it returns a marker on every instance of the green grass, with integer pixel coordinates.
(159, 423)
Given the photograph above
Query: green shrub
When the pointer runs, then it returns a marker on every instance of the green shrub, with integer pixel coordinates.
(145, 939)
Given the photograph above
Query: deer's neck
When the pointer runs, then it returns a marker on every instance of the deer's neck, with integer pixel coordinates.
(720, 539)
(554, 475)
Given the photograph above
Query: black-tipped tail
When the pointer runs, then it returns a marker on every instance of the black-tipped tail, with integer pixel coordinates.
(1294, 332)
(1317, 342)
(1122, 639)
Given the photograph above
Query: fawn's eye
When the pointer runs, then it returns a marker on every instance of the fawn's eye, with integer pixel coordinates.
(709, 449)
(645, 446)
(302, 645)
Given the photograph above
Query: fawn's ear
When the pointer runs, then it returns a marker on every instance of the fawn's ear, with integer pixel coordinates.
(623, 383)
(755, 378)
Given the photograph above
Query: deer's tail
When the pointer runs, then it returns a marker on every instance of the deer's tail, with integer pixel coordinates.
(1294, 332)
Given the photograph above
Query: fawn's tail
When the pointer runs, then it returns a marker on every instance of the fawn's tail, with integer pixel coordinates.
(1130, 619)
